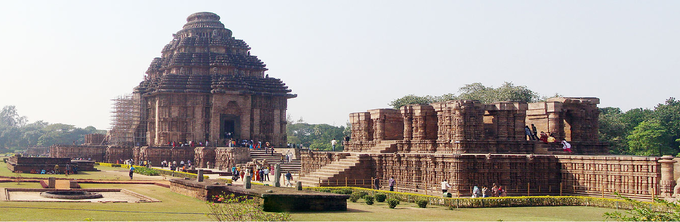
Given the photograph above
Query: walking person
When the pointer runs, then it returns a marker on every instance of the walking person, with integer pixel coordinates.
(445, 186)
(289, 177)
(333, 143)
(392, 182)
(132, 170)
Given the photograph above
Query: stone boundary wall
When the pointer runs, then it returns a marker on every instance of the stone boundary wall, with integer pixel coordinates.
(593, 175)
(634, 176)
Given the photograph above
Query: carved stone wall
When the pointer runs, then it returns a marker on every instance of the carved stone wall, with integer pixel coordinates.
(207, 87)
(468, 126)
(118, 154)
(91, 152)
(573, 118)
(228, 157)
(632, 175)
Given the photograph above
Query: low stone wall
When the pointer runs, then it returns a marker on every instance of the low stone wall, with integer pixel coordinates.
(37, 164)
(201, 190)
(275, 198)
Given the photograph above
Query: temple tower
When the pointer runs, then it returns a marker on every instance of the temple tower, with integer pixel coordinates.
(207, 87)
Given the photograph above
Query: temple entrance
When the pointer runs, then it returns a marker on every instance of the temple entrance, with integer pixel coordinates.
(230, 127)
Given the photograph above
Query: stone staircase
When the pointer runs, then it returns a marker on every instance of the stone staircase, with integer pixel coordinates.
(385, 146)
(293, 166)
(332, 172)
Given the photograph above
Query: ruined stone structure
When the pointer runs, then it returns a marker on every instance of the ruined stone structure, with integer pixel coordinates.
(470, 143)
(207, 87)
(37, 164)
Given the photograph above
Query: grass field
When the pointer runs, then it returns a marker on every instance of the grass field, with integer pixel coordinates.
(177, 207)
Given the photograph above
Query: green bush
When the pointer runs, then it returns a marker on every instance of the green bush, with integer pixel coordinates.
(422, 203)
(326, 190)
(392, 202)
(346, 191)
(380, 197)
(338, 191)
(368, 199)
(354, 197)
(146, 171)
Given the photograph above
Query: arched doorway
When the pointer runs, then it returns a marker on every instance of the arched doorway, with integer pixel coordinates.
(230, 127)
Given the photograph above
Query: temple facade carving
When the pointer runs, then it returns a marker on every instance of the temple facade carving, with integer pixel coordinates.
(207, 87)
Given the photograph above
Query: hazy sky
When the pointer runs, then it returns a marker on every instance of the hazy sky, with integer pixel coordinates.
(63, 61)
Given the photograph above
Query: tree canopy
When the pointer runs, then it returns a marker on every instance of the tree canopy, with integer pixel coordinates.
(475, 91)
(642, 131)
(17, 134)
(316, 136)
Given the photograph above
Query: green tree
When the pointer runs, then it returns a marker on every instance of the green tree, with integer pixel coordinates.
(613, 130)
(475, 91)
(411, 99)
(315, 136)
(506, 92)
(650, 139)
(9, 117)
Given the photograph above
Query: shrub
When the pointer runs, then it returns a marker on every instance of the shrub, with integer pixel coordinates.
(354, 197)
(146, 171)
(392, 202)
(368, 199)
(357, 195)
(337, 191)
(346, 191)
(326, 190)
(422, 203)
(380, 197)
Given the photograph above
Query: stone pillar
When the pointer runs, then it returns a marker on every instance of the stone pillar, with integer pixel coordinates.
(246, 182)
(298, 185)
(51, 182)
(667, 183)
(277, 175)
(199, 178)
(554, 125)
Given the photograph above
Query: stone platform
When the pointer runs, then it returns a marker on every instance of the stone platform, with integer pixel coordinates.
(276, 199)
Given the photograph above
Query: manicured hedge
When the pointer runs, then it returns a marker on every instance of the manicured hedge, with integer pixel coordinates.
(515, 201)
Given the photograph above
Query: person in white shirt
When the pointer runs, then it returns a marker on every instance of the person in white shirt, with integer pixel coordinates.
(445, 186)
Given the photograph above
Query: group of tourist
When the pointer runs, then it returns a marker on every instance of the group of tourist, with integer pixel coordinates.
(174, 166)
(190, 144)
(68, 169)
(261, 174)
(549, 137)
(495, 191)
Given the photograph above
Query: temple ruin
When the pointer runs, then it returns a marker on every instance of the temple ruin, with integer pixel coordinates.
(473, 144)
(205, 88)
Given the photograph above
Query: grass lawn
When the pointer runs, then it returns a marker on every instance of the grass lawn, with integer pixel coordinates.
(175, 207)
(359, 211)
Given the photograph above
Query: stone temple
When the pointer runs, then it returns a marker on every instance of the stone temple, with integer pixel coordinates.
(207, 87)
